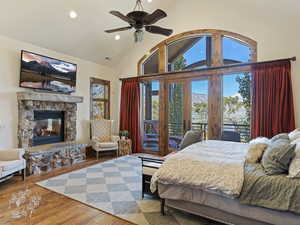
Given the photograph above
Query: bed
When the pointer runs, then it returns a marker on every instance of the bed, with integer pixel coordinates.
(217, 183)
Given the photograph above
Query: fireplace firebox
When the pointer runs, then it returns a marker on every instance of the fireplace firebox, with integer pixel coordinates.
(48, 127)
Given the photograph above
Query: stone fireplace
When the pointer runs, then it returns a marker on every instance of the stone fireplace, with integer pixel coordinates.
(46, 118)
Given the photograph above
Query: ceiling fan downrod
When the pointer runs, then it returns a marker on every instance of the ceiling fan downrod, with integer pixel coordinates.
(138, 6)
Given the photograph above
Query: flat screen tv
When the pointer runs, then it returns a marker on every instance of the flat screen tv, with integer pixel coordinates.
(45, 73)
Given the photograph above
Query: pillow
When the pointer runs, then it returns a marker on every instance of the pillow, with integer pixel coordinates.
(256, 149)
(191, 137)
(294, 169)
(295, 141)
(277, 157)
(294, 134)
(280, 136)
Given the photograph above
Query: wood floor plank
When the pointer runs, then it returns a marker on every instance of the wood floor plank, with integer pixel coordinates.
(55, 208)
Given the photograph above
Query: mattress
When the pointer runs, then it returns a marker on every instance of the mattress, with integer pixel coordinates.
(227, 204)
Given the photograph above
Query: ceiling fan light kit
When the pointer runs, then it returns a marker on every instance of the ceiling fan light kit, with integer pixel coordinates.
(140, 21)
(138, 36)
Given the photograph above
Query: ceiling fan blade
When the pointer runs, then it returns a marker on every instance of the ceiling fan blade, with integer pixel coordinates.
(122, 17)
(154, 17)
(118, 29)
(159, 30)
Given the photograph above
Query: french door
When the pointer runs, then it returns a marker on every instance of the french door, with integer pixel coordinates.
(187, 109)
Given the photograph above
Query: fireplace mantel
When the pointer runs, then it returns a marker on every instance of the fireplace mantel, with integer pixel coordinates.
(48, 97)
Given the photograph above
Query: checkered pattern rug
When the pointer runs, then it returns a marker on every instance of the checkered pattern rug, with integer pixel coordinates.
(115, 187)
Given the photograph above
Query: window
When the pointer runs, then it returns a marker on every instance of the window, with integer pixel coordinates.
(235, 51)
(237, 106)
(198, 49)
(189, 53)
(215, 101)
(199, 107)
(100, 98)
(150, 66)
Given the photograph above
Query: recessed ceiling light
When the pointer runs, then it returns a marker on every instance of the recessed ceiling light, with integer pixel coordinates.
(149, 1)
(117, 37)
(73, 14)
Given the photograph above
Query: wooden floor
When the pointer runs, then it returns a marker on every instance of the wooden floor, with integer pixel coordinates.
(55, 208)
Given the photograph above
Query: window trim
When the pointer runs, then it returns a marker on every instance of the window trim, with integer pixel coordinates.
(94, 80)
(217, 34)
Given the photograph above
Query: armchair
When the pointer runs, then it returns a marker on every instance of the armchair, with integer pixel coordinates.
(102, 138)
(12, 161)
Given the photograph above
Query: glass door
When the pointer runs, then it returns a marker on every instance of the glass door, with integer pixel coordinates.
(236, 107)
(150, 116)
(176, 113)
(199, 106)
(187, 109)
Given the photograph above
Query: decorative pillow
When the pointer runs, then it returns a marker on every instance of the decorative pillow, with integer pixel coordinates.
(280, 136)
(256, 149)
(191, 137)
(294, 169)
(277, 157)
(295, 141)
(294, 135)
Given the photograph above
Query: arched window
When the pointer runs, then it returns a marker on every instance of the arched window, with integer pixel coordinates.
(189, 53)
(150, 65)
(198, 49)
(216, 101)
(235, 51)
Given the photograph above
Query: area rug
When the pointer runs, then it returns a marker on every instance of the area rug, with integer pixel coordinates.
(115, 187)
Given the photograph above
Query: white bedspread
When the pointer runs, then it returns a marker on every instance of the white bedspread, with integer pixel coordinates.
(216, 166)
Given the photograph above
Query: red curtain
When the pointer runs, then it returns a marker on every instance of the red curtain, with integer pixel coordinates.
(130, 111)
(272, 101)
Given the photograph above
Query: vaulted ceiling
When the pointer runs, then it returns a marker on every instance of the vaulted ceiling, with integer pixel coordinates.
(47, 24)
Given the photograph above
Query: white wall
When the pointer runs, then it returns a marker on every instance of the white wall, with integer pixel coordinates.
(273, 25)
(9, 82)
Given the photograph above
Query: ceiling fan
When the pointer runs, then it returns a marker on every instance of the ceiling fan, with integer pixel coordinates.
(140, 20)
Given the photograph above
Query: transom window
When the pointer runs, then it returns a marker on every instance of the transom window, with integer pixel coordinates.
(189, 53)
(196, 50)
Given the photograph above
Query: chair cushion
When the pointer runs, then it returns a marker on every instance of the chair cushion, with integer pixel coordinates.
(191, 137)
(108, 144)
(10, 165)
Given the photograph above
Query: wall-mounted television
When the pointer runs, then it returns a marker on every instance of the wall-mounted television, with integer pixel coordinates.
(45, 73)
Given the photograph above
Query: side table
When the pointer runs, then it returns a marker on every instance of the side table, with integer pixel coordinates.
(125, 147)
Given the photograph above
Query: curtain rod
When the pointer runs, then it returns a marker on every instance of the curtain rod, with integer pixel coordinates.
(211, 68)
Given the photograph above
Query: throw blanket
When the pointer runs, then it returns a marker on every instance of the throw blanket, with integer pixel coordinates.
(215, 166)
(275, 192)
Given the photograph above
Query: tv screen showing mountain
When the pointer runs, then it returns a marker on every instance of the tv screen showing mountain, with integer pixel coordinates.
(41, 72)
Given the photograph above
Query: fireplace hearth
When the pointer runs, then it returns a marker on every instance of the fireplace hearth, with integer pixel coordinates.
(48, 128)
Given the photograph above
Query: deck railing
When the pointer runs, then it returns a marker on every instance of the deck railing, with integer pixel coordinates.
(176, 129)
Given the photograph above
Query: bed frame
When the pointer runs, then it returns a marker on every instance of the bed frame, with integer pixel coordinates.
(235, 213)
(208, 212)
